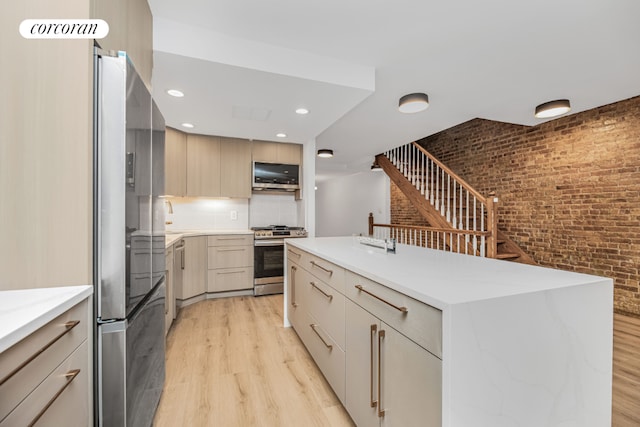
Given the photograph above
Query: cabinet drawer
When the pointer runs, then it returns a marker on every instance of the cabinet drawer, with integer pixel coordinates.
(229, 279)
(326, 271)
(230, 240)
(230, 256)
(421, 322)
(326, 305)
(62, 399)
(327, 354)
(63, 338)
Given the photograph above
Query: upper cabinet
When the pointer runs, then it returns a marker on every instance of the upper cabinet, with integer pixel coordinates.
(203, 166)
(130, 29)
(235, 167)
(175, 163)
(277, 152)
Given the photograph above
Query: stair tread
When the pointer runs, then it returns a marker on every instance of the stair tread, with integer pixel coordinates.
(507, 256)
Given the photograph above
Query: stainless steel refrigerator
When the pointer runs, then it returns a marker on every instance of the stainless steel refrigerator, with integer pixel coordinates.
(129, 235)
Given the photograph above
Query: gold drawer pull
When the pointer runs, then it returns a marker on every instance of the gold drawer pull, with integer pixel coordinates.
(68, 326)
(293, 286)
(381, 411)
(232, 250)
(374, 402)
(321, 291)
(404, 310)
(295, 253)
(315, 264)
(70, 376)
(313, 326)
(230, 238)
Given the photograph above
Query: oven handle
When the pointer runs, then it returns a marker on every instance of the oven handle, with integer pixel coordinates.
(269, 243)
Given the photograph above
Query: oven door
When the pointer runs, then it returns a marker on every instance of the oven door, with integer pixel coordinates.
(268, 262)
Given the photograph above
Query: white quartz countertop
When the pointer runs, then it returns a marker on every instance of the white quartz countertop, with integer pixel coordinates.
(173, 236)
(438, 278)
(22, 312)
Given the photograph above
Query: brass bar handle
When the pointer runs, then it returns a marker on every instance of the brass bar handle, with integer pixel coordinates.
(293, 285)
(313, 326)
(295, 253)
(313, 284)
(230, 238)
(68, 326)
(404, 310)
(231, 250)
(315, 264)
(182, 257)
(230, 272)
(70, 376)
(374, 328)
(381, 411)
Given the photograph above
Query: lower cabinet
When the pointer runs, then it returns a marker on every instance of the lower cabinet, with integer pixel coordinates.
(229, 263)
(45, 379)
(195, 268)
(369, 341)
(170, 300)
(390, 380)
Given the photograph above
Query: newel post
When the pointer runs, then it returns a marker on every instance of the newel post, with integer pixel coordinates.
(370, 223)
(492, 226)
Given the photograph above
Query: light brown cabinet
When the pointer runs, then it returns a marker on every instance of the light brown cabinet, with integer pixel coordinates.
(195, 268)
(175, 161)
(385, 369)
(276, 152)
(170, 299)
(235, 168)
(379, 350)
(46, 376)
(230, 263)
(203, 166)
(130, 30)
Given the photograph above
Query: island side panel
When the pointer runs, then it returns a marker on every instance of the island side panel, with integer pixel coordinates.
(540, 359)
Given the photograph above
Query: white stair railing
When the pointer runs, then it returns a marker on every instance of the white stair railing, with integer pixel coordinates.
(462, 206)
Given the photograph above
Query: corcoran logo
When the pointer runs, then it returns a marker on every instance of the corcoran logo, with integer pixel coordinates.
(64, 29)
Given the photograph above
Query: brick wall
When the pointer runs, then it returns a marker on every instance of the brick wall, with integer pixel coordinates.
(569, 188)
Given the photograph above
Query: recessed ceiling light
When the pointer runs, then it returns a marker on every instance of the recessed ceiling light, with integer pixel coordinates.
(552, 109)
(281, 135)
(175, 92)
(326, 153)
(302, 111)
(413, 103)
(188, 125)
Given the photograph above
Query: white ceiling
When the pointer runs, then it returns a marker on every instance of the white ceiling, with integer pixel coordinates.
(349, 61)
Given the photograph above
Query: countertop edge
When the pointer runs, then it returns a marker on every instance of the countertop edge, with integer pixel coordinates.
(35, 323)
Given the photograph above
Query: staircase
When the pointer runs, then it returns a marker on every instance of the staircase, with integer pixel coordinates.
(460, 219)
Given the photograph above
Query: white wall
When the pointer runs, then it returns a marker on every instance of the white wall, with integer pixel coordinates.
(343, 204)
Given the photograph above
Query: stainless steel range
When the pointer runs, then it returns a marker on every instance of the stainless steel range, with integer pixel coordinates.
(268, 261)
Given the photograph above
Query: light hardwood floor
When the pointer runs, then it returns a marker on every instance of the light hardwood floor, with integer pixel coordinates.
(231, 363)
(626, 371)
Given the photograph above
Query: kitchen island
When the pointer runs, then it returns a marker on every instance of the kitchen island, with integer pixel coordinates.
(502, 343)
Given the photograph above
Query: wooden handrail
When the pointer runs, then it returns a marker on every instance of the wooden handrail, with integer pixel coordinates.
(455, 176)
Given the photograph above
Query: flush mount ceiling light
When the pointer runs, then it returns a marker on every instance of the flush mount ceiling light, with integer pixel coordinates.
(326, 153)
(553, 109)
(413, 103)
(175, 92)
(281, 135)
(302, 111)
(188, 125)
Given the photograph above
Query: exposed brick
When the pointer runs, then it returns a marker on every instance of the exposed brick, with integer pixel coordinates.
(569, 188)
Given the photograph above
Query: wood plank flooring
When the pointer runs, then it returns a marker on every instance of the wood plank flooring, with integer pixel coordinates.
(626, 371)
(231, 363)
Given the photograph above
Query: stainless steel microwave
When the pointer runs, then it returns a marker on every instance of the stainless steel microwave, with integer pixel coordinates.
(275, 176)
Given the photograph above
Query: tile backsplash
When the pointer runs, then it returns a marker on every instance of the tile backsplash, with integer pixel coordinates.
(205, 213)
(273, 209)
